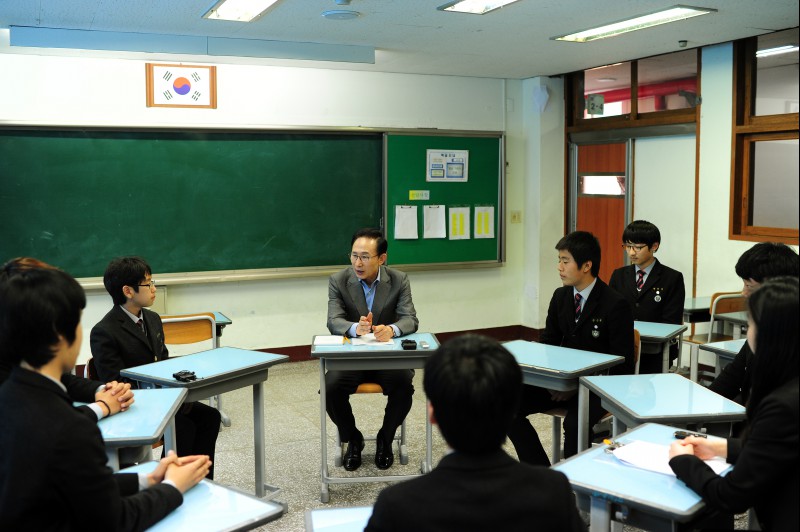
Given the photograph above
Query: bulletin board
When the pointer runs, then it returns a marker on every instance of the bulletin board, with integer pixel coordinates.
(424, 170)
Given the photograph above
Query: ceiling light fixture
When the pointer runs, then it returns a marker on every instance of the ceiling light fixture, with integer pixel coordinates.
(239, 10)
(777, 50)
(671, 14)
(340, 14)
(476, 7)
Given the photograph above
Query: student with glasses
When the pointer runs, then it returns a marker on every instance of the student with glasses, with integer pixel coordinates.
(655, 292)
(369, 298)
(130, 335)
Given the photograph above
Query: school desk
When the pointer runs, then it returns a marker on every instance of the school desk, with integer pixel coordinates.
(347, 356)
(559, 368)
(661, 398)
(696, 309)
(662, 334)
(218, 371)
(725, 351)
(610, 489)
(210, 507)
(151, 415)
(738, 319)
(352, 519)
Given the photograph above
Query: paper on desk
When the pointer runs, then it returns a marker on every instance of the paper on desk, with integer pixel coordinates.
(324, 339)
(369, 339)
(655, 457)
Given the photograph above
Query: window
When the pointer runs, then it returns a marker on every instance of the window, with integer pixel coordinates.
(764, 201)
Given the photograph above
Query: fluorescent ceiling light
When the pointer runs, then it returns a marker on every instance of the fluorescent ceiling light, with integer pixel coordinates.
(671, 14)
(777, 50)
(239, 10)
(476, 7)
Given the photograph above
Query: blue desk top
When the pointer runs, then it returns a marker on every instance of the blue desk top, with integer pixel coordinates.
(739, 317)
(662, 397)
(338, 519)
(209, 366)
(559, 361)
(211, 507)
(144, 422)
(693, 304)
(318, 350)
(597, 473)
(649, 330)
(727, 349)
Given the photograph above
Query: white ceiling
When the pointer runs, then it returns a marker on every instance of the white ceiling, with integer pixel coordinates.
(412, 36)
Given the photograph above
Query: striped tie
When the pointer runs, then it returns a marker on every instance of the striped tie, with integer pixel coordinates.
(577, 306)
(140, 323)
(640, 280)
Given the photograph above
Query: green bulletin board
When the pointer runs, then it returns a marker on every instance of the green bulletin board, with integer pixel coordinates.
(406, 173)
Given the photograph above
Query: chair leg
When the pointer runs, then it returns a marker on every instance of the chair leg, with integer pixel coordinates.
(226, 420)
(556, 439)
(401, 444)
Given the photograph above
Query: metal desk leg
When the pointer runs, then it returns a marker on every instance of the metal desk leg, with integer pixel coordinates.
(427, 465)
(665, 357)
(600, 515)
(113, 459)
(260, 455)
(324, 494)
(583, 416)
(617, 427)
(169, 437)
(694, 354)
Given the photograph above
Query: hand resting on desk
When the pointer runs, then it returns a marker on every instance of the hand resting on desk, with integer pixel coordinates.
(117, 396)
(185, 472)
(703, 448)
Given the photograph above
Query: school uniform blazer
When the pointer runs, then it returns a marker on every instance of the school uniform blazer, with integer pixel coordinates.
(662, 296)
(467, 492)
(605, 325)
(53, 472)
(734, 380)
(118, 343)
(392, 304)
(765, 474)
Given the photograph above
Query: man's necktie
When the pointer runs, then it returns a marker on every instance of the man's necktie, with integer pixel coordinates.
(640, 279)
(577, 306)
(140, 323)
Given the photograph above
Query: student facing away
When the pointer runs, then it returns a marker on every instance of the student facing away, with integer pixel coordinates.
(473, 386)
(655, 292)
(53, 466)
(130, 335)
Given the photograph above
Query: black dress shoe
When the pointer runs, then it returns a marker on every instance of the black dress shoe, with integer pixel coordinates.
(384, 457)
(352, 457)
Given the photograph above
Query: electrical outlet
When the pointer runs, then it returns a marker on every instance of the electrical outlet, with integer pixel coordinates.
(516, 217)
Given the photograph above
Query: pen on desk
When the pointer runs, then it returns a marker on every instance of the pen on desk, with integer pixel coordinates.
(345, 340)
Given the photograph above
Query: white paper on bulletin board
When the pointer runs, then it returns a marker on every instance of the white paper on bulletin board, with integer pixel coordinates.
(448, 166)
(459, 223)
(405, 222)
(484, 222)
(434, 224)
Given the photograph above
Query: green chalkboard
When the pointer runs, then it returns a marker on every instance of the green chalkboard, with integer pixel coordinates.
(187, 201)
(406, 169)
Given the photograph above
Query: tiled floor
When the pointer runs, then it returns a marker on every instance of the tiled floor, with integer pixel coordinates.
(293, 443)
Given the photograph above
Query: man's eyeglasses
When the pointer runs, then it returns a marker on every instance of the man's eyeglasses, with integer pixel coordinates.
(355, 257)
(637, 247)
(151, 284)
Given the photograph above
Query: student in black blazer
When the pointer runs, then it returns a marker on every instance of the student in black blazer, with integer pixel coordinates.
(473, 387)
(766, 473)
(119, 342)
(659, 295)
(53, 472)
(604, 324)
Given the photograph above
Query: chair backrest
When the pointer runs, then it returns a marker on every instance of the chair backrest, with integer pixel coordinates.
(190, 329)
(723, 302)
(637, 347)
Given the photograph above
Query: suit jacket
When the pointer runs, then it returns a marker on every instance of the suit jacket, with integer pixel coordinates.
(479, 492)
(662, 296)
(392, 304)
(766, 474)
(118, 343)
(605, 325)
(53, 472)
(734, 380)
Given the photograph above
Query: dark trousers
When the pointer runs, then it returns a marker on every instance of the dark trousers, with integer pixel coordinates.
(535, 400)
(196, 431)
(396, 384)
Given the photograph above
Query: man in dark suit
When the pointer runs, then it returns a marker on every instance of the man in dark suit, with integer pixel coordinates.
(655, 292)
(584, 314)
(473, 387)
(53, 472)
(131, 335)
(369, 298)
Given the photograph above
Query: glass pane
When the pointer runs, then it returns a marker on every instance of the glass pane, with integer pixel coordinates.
(601, 185)
(777, 81)
(668, 82)
(607, 91)
(775, 184)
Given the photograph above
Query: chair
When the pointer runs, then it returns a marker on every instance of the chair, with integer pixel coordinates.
(721, 302)
(560, 413)
(191, 329)
(371, 387)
